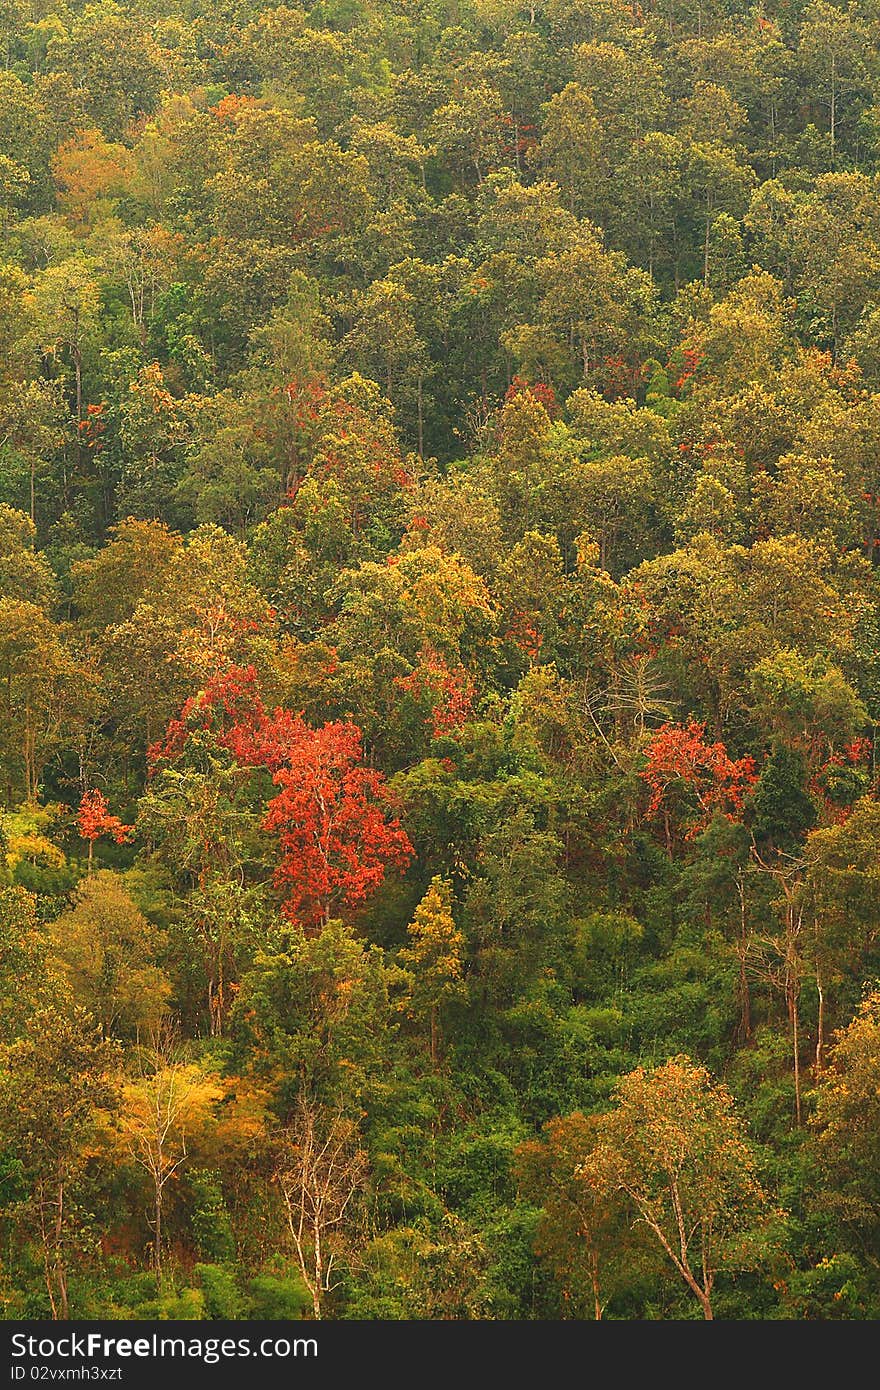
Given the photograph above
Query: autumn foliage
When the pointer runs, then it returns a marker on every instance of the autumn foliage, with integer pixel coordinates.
(440, 509)
(94, 820)
(333, 815)
(447, 692)
(681, 767)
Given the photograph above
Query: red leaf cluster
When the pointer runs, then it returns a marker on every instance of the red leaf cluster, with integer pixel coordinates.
(680, 755)
(332, 814)
(541, 390)
(94, 820)
(449, 693)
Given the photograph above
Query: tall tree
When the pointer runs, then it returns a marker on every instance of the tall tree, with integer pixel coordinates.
(676, 1150)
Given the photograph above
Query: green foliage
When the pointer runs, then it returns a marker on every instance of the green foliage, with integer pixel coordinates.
(277, 1298)
(220, 1291)
(782, 808)
(495, 391)
(212, 1227)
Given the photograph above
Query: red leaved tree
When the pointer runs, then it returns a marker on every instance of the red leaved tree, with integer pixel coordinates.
(691, 779)
(333, 814)
(229, 701)
(94, 820)
(330, 817)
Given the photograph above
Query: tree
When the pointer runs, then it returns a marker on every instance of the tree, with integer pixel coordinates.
(331, 813)
(616, 496)
(116, 63)
(231, 477)
(806, 498)
(625, 81)
(652, 182)
(845, 1122)
(739, 341)
(294, 342)
(24, 573)
(137, 556)
(443, 695)
(94, 820)
(589, 298)
(201, 614)
(781, 809)
(581, 1232)
(37, 679)
(107, 950)
(783, 963)
(719, 183)
(56, 1085)
(468, 130)
(313, 1019)
(842, 887)
(32, 418)
(679, 760)
(809, 704)
(516, 902)
(716, 884)
(22, 953)
(86, 169)
(165, 1106)
(675, 1149)
(156, 429)
(570, 146)
(384, 341)
(144, 260)
(66, 305)
(320, 1168)
(433, 959)
(440, 490)
(831, 43)
(837, 244)
(200, 821)
(331, 819)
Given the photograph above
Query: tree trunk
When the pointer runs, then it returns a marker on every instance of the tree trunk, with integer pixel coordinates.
(47, 1262)
(318, 1286)
(30, 770)
(745, 1002)
(795, 1044)
(706, 246)
(421, 419)
(157, 1247)
(60, 1271)
(77, 366)
(594, 1280)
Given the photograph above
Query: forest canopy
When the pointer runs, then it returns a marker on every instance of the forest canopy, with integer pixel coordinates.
(439, 659)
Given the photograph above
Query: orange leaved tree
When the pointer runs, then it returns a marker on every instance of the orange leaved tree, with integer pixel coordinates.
(94, 819)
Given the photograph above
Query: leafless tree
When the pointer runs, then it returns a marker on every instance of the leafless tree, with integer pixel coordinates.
(320, 1169)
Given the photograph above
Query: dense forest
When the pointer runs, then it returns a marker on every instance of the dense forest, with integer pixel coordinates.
(439, 672)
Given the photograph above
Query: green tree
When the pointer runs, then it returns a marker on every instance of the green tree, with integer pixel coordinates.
(107, 951)
(830, 48)
(676, 1151)
(433, 960)
(55, 1089)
